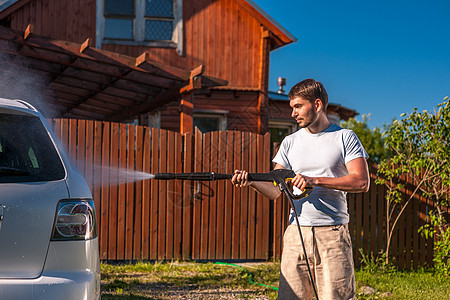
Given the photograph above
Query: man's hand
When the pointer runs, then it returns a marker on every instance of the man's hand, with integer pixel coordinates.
(240, 178)
(302, 182)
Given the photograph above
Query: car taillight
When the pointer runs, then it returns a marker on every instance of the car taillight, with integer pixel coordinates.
(75, 220)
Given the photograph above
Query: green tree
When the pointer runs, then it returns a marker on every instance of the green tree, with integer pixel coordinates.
(419, 146)
(372, 139)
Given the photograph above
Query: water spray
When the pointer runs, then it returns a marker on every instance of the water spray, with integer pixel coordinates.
(279, 177)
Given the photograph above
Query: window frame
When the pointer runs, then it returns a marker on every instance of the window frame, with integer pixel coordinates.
(139, 28)
(291, 126)
(216, 114)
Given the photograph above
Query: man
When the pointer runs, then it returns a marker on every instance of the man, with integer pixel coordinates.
(331, 160)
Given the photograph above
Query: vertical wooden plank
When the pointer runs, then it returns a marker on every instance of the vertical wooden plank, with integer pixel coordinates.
(89, 155)
(205, 198)
(81, 146)
(137, 234)
(277, 227)
(129, 234)
(253, 167)
(351, 224)
(146, 156)
(244, 198)
(358, 232)
(73, 132)
(373, 210)
(169, 194)
(430, 240)
(114, 178)
(154, 200)
(259, 202)
(57, 130)
(408, 223)
(381, 217)
(162, 196)
(416, 225)
(237, 149)
(277, 221)
(65, 136)
(97, 174)
(401, 229)
(104, 232)
(188, 199)
(394, 239)
(213, 199)
(122, 189)
(265, 200)
(366, 224)
(221, 195)
(197, 208)
(228, 214)
(177, 199)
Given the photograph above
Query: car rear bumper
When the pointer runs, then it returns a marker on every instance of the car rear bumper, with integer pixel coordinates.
(72, 271)
(80, 285)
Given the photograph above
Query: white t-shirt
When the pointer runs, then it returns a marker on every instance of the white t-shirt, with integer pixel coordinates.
(324, 154)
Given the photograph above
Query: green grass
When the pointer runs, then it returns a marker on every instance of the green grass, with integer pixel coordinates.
(421, 284)
(145, 280)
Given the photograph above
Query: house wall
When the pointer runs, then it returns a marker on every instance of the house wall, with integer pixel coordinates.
(241, 107)
(219, 34)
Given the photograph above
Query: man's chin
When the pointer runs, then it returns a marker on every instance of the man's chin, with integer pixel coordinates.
(303, 124)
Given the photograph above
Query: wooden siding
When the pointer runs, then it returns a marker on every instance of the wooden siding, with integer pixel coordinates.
(280, 110)
(209, 220)
(219, 34)
(241, 107)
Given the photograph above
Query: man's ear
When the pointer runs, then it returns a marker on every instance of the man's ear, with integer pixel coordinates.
(318, 105)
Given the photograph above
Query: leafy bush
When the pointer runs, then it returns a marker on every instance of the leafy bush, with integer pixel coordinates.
(442, 253)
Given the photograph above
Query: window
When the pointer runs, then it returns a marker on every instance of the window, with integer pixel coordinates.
(210, 121)
(156, 23)
(280, 129)
(26, 151)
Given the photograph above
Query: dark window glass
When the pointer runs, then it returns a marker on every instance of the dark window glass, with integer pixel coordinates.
(119, 7)
(119, 28)
(159, 8)
(278, 134)
(26, 151)
(206, 124)
(157, 30)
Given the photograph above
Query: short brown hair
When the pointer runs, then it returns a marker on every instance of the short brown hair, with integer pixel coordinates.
(310, 90)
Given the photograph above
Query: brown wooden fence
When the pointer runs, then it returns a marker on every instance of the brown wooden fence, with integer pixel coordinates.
(163, 220)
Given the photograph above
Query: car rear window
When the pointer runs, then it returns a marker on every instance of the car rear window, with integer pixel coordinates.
(26, 151)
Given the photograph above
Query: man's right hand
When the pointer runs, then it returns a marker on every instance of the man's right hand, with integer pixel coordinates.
(240, 178)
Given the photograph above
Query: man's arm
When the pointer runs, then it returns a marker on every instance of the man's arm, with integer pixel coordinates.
(358, 179)
(268, 189)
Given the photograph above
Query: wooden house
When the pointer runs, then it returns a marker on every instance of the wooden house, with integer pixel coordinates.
(172, 64)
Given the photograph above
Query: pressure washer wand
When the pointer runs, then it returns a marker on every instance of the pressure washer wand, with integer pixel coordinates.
(278, 177)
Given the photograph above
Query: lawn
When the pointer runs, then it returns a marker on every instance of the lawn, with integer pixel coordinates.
(190, 280)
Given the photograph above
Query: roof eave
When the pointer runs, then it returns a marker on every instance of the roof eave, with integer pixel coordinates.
(283, 36)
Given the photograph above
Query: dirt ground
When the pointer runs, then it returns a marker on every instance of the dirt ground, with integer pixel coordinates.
(137, 285)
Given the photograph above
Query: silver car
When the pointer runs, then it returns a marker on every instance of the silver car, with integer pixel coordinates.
(48, 230)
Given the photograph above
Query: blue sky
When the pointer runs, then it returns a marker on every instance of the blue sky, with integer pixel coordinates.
(378, 57)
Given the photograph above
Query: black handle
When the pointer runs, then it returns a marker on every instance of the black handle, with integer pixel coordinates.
(260, 177)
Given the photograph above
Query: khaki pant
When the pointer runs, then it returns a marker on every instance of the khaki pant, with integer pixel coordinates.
(329, 251)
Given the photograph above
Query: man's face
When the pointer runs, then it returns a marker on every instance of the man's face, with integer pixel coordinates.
(303, 111)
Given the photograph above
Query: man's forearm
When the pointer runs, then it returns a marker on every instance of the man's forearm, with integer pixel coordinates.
(350, 183)
(266, 188)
